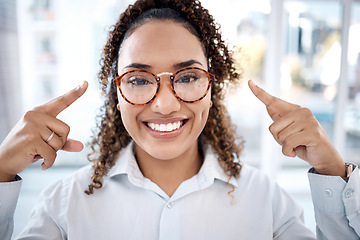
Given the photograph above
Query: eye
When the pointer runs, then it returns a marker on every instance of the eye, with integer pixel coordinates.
(138, 81)
(187, 78)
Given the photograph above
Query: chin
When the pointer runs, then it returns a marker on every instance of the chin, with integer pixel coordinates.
(165, 154)
(166, 150)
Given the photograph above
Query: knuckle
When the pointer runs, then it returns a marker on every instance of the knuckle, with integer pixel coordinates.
(31, 138)
(317, 133)
(29, 115)
(272, 128)
(282, 139)
(307, 112)
(36, 109)
(286, 143)
(55, 144)
(66, 129)
(50, 158)
(284, 151)
(60, 144)
(297, 106)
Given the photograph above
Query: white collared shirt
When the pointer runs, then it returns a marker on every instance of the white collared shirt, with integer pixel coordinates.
(130, 206)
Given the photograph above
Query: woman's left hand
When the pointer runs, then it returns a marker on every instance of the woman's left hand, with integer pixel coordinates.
(299, 133)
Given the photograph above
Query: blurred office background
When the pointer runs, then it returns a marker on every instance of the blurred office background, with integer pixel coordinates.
(306, 52)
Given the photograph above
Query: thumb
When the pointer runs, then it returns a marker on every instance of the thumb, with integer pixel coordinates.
(73, 146)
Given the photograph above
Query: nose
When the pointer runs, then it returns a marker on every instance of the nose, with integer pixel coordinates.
(165, 101)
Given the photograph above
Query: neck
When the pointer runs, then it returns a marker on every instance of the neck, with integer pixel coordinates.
(168, 174)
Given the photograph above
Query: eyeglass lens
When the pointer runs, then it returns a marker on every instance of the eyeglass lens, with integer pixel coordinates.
(140, 87)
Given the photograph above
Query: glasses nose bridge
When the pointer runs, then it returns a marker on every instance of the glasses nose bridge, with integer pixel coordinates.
(162, 84)
(171, 75)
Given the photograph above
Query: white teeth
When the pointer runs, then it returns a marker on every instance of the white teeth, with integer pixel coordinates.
(151, 125)
(169, 127)
(165, 127)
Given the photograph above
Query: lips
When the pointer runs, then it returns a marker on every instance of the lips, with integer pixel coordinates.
(165, 127)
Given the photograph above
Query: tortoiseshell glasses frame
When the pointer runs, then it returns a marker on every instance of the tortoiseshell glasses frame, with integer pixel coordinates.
(118, 82)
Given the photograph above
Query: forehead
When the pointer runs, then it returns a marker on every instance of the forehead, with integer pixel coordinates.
(161, 43)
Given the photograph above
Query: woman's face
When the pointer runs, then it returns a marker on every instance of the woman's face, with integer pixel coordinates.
(163, 46)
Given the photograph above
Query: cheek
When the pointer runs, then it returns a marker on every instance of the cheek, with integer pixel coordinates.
(128, 114)
(126, 117)
(201, 110)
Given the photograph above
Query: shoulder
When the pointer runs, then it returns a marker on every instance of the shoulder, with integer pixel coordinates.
(79, 180)
(253, 175)
(256, 180)
(263, 189)
(54, 201)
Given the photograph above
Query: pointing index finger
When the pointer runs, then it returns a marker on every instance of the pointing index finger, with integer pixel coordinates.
(273, 104)
(261, 94)
(57, 105)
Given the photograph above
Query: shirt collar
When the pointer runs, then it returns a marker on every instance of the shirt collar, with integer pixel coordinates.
(210, 170)
(126, 164)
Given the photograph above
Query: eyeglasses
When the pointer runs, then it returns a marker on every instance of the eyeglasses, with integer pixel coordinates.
(140, 87)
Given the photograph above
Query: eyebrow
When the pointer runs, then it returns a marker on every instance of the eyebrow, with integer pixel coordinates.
(176, 66)
(138, 66)
(187, 64)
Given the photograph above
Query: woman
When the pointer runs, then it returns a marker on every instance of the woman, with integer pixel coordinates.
(165, 160)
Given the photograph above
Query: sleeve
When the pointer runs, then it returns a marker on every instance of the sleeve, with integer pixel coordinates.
(336, 205)
(9, 194)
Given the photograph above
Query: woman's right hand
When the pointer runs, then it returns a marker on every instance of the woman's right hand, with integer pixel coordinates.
(27, 141)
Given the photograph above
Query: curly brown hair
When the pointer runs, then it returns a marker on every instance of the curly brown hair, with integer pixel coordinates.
(219, 132)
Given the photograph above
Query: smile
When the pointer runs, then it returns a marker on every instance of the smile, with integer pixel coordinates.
(169, 127)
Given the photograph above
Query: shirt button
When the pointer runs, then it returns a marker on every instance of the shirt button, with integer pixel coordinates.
(170, 205)
(328, 192)
(349, 193)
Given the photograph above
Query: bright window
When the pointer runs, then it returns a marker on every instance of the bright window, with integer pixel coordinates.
(292, 48)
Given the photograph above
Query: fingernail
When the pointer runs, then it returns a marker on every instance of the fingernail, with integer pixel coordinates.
(43, 166)
(78, 87)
